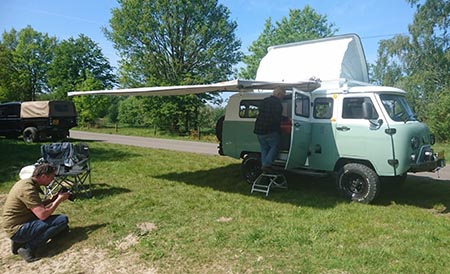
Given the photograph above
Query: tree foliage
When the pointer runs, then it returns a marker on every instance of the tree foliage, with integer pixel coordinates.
(420, 64)
(74, 61)
(25, 57)
(301, 25)
(91, 107)
(132, 112)
(79, 64)
(174, 42)
(35, 66)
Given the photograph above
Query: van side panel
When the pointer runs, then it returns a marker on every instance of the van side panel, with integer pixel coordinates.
(238, 136)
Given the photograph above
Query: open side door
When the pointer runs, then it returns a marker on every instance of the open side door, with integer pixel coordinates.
(301, 129)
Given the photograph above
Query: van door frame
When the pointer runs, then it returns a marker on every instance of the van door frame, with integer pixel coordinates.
(301, 130)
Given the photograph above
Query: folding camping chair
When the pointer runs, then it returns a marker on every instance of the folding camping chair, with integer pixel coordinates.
(73, 170)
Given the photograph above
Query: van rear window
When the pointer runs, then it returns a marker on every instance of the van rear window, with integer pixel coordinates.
(249, 108)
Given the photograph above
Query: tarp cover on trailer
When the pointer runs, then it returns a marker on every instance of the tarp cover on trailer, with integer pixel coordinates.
(34, 109)
(44, 109)
(331, 58)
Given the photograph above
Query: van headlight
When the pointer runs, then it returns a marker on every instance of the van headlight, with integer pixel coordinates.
(415, 142)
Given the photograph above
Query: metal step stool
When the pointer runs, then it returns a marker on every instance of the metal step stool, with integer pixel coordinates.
(266, 181)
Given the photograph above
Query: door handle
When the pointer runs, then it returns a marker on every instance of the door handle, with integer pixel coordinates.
(297, 124)
(343, 128)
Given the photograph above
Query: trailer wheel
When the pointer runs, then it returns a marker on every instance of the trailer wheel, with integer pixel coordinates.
(30, 135)
(251, 168)
(358, 183)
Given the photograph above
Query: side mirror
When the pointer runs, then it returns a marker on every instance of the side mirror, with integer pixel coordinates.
(367, 110)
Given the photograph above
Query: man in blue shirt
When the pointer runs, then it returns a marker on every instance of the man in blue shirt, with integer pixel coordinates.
(267, 127)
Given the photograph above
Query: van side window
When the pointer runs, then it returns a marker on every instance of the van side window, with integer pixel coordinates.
(352, 108)
(249, 108)
(323, 108)
(301, 105)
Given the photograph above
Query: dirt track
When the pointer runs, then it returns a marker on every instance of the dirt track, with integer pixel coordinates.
(185, 146)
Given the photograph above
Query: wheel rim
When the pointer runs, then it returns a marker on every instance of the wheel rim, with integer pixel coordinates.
(27, 137)
(354, 184)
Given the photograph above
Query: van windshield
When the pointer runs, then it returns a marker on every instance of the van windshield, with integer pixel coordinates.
(397, 107)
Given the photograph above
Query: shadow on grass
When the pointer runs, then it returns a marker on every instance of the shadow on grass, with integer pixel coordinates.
(302, 190)
(420, 191)
(15, 155)
(102, 190)
(319, 192)
(66, 240)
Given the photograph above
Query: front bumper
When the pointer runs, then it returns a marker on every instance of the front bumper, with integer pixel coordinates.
(428, 161)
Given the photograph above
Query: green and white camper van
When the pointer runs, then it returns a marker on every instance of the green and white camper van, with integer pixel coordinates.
(339, 125)
(346, 127)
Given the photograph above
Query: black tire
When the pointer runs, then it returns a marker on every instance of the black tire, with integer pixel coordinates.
(251, 168)
(358, 183)
(30, 135)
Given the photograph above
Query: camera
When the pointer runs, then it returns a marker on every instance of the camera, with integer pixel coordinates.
(64, 189)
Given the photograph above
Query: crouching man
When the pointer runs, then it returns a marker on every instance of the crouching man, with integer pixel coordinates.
(28, 220)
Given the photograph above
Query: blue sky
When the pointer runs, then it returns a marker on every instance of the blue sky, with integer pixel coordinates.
(372, 20)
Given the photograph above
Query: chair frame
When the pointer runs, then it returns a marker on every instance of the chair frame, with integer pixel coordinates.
(76, 178)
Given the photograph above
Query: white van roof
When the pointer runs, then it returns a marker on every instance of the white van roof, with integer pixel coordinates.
(328, 59)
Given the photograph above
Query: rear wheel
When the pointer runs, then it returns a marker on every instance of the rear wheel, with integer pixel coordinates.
(30, 135)
(251, 167)
(358, 183)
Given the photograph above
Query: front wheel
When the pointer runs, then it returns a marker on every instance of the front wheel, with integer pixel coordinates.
(251, 168)
(358, 182)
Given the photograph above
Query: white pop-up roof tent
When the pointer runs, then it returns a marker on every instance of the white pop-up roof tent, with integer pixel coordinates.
(331, 58)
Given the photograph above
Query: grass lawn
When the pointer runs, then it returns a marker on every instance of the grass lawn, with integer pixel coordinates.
(206, 221)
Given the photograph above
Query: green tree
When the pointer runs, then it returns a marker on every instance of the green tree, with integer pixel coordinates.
(25, 56)
(90, 108)
(75, 60)
(420, 63)
(301, 25)
(174, 42)
(132, 112)
(10, 88)
(79, 64)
